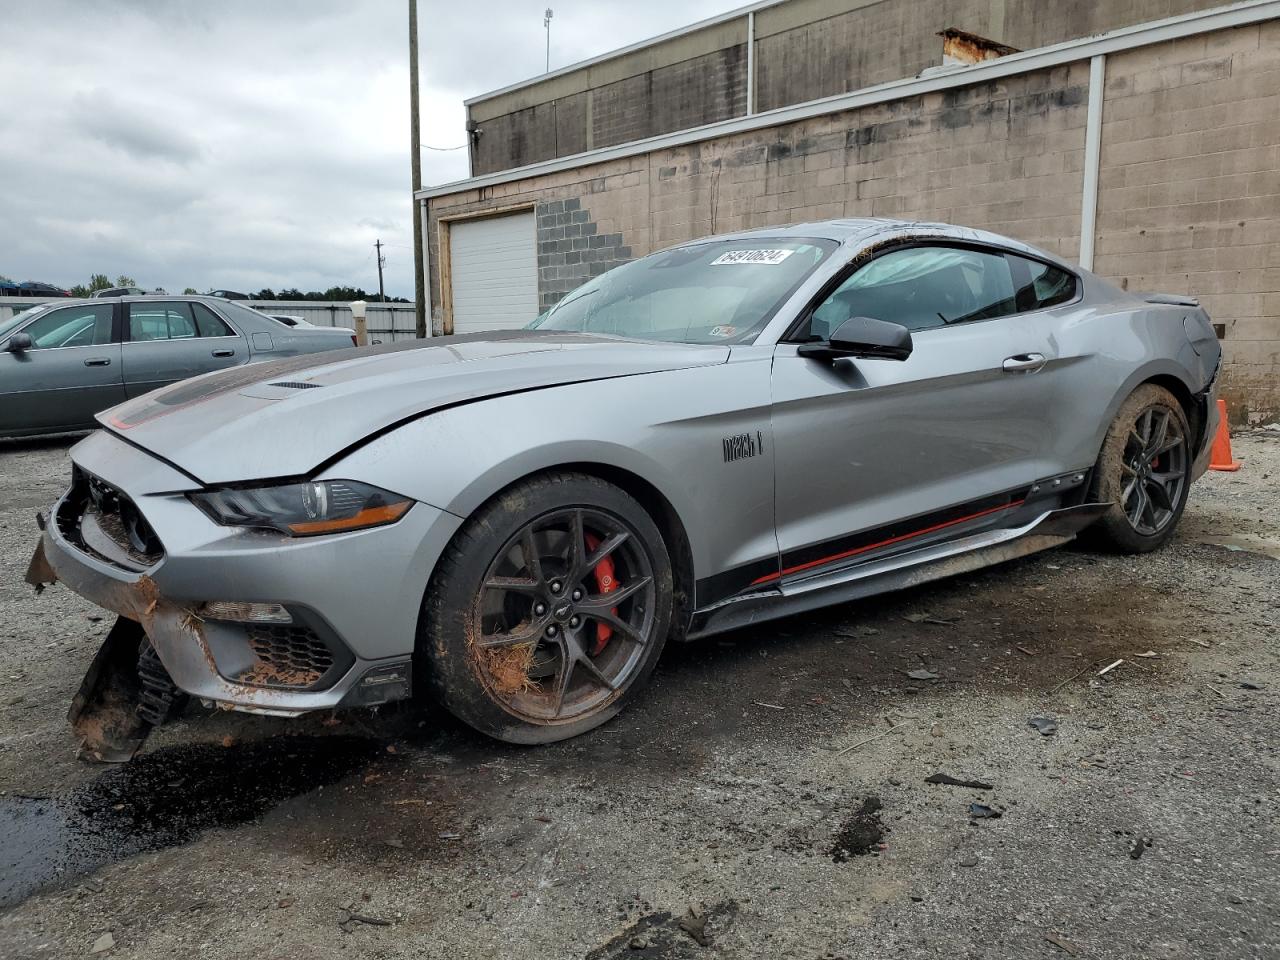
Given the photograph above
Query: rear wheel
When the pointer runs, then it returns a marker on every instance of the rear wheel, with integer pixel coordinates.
(548, 610)
(1144, 471)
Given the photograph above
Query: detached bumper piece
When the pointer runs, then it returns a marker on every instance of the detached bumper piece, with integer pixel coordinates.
(125, 693)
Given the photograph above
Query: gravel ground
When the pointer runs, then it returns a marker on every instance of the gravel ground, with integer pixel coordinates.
(766, 796)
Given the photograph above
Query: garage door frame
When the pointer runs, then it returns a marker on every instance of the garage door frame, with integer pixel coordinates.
(444, 242)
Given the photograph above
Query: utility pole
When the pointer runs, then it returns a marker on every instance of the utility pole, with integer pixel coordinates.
(546, 22)
(415, 135)
(377, 245)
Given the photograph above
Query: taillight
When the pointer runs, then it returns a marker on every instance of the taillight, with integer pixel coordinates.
(353, 341)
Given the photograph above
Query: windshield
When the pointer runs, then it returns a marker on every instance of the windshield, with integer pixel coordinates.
(716, 292)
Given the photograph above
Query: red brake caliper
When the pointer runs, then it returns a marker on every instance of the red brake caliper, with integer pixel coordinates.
(605, 583)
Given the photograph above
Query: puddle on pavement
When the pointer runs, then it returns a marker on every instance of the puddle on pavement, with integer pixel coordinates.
(161, 799)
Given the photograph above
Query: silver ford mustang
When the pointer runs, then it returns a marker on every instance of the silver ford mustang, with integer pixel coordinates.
(515, 523)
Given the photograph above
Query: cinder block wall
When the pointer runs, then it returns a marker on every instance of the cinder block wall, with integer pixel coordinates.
(1189, 199)
(804, 50)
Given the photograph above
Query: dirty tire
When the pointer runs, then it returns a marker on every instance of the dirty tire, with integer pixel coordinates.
(511, 604)
(1120, 465)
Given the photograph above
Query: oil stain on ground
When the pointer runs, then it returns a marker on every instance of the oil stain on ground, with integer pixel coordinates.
(159, 800)
(860, 834)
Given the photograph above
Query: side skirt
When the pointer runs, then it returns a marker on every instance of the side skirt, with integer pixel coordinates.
(1050, 529)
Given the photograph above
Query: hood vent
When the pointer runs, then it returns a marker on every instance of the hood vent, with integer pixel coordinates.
(296, 385)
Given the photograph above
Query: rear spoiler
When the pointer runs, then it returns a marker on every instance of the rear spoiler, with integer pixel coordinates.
(1172, 299)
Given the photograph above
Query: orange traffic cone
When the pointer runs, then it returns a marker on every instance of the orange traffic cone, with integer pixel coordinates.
(1220, 456)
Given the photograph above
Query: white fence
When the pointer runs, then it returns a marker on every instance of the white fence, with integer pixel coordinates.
(387, 322)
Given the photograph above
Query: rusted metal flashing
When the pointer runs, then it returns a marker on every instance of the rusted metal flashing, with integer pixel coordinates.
(960, 46)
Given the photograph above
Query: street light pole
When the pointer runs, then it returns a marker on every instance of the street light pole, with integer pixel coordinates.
(546, 22)
(415, 148)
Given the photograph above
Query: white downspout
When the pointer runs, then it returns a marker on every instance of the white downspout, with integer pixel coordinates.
(1092, 160)
(751, 63)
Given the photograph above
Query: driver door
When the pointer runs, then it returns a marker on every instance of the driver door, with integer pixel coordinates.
(71, 372)
(871, 453)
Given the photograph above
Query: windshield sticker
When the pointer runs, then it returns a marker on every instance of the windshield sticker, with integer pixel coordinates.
(722, 331)
(752, 256)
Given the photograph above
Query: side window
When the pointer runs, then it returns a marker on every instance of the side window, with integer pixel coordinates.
(921, 288)
(1041, 285)
(209, 324)
(161, 321)
(80, 326)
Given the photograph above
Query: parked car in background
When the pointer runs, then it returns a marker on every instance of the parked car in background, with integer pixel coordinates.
(33, 289)
(60, 364)
(289, 320)
(730, 430)
(228, 295)
(119, 292)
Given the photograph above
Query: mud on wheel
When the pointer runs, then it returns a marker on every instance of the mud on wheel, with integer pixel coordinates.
(1144, 471)
(548, 610)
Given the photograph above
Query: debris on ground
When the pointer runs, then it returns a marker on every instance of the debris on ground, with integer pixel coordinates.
(922, 674)
(1140, 845)
(348, 918)
(103, 943)
(1249, 685)
(1062, 943)
(694, 923)
(884, 733)
(1109, 667)
(980, 811)
(1046, 726)
(860, 834)
(950, 781)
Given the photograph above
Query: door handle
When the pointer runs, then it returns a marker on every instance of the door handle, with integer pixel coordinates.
(1023, 363)
(98, 362)
(224, 353)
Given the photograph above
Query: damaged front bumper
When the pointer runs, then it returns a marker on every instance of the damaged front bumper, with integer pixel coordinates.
(351, 601)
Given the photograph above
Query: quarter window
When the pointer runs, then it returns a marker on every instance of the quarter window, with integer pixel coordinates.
(1040, 285)
(161, 321)
(920, 288)
(80, 326)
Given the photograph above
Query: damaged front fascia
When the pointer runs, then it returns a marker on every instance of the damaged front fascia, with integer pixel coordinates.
(111, 736)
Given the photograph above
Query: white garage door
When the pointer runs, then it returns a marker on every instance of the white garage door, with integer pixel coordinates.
(494, 267)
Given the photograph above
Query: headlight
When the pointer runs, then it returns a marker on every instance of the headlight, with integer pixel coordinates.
(304, 509)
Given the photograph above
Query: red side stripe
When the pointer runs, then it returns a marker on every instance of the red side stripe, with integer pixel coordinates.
(883, 543)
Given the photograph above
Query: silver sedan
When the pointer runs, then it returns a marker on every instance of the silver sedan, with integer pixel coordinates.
(734, 429)
(62, 363)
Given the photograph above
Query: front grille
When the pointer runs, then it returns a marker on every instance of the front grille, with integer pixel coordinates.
(287, 656)
(103, 521)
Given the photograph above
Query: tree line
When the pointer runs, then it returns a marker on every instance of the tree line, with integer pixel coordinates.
(100, 281)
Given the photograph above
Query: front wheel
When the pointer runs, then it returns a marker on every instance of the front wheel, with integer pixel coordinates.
(548, 610)
(1144, 471)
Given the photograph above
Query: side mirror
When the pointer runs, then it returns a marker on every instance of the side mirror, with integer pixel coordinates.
(19, 343)
(862, 337)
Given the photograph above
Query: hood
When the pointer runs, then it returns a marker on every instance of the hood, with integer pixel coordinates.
(286, 417)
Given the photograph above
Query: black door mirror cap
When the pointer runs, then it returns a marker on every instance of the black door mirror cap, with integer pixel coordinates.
(19, 343)
(862, 337)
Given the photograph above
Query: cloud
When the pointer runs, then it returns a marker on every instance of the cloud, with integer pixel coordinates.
(247, 144)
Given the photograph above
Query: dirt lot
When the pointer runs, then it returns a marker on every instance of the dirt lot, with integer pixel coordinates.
(766, 797)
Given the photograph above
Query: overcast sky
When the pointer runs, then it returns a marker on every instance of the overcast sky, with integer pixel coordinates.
(248, 143)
